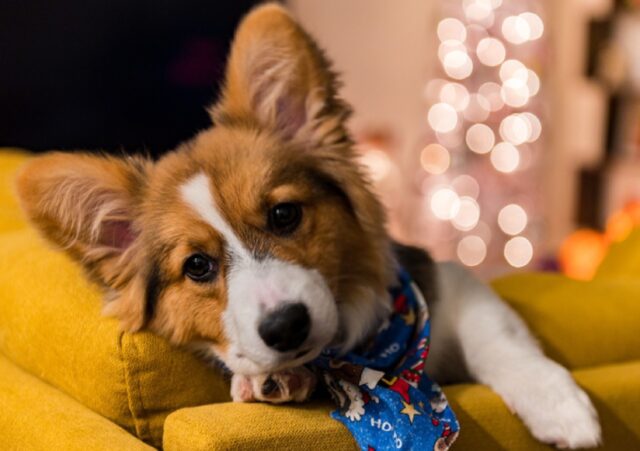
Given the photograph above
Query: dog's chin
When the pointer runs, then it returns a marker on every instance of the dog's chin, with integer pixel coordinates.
(248, 364)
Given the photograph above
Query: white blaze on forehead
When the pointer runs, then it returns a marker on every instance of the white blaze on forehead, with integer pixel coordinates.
(197, 193)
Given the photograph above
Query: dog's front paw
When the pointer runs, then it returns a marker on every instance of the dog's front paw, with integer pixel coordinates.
(295, 385)
(556, 410)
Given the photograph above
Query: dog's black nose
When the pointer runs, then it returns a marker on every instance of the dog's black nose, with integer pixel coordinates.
(285, 328)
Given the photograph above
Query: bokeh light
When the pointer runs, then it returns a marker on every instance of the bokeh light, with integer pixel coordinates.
(449, 46)
(445, 203)
(480, 138)
(581, 253)
(455, 95)
(468, 214)
(512, 219)
(516, 29)
(535, 126)
(479, 11)
(536, 26)
(513, 68)
(518, 251)
(472, 250)
(491, 52)
(515, 129)
(619, 226)
(505, 157)
(442, 117)
(515, 83)
(451, 29)
(533, 83)
(457, 64)
(435, 159)
(515, 92)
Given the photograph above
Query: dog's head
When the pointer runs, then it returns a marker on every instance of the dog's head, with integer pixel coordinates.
(258, 240)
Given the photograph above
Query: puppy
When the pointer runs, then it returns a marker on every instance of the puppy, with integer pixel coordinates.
(259, 243)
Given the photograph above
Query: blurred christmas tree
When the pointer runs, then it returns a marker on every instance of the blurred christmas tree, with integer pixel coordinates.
(468, 192)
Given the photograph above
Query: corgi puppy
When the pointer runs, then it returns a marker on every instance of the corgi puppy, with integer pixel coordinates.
(259, 243)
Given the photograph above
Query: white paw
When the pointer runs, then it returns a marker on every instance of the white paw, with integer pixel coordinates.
(555, 409)
(355, 410)
(241, 388)
(295, 385)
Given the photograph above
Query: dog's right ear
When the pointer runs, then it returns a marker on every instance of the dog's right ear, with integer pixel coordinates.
(86, 204)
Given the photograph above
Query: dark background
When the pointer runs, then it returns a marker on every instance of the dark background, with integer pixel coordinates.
(111, 74)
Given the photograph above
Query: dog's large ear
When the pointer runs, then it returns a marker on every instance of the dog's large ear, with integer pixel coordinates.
(278, 78)
(86, 205)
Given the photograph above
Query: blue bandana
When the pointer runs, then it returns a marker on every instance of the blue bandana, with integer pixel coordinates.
(384, 397)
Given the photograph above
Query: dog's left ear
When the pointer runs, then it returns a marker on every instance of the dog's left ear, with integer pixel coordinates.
(279, 79)
(86, 205)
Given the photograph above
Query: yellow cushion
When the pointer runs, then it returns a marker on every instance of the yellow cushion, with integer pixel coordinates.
(36, 416)
(622, 259)
(578, 323)
(50, 325)
(486, 422)
(10, 217)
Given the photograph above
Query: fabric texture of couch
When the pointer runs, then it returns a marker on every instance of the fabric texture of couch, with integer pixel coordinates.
(72, 380)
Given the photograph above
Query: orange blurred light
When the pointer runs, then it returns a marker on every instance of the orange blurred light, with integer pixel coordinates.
(619, 226)
(633, 208)
(581, 253)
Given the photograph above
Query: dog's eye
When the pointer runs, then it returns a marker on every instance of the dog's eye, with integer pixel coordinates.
(200, 268)
(285, 217)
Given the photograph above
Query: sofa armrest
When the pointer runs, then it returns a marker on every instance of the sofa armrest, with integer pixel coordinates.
(486, 423)
(250, 426)
(36, 416)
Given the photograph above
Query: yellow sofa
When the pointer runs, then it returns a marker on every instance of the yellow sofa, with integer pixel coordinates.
(70, 379)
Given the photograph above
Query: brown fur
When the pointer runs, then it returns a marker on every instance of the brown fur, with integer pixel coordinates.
(280, 136)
